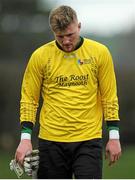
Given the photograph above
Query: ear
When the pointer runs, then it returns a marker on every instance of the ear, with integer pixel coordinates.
(79, 25)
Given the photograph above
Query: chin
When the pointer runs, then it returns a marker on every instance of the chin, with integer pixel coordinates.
(68, 50)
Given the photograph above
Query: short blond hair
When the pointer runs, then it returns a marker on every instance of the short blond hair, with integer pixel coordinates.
(61, 17)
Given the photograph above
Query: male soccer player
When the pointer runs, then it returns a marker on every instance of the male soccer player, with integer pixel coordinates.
(76, 79)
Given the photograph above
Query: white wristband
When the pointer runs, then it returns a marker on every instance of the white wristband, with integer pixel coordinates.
(114, 134)
(25, 136)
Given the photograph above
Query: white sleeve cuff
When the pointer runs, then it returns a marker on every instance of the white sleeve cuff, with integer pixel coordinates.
(25, 136)
(114, 134)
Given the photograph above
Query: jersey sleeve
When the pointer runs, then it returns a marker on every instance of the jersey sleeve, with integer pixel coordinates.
(31, 87)
(108, 87)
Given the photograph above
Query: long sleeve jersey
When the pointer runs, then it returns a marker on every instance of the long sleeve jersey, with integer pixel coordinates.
(78, 90)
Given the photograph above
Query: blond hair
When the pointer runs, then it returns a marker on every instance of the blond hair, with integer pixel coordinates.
(61, 17)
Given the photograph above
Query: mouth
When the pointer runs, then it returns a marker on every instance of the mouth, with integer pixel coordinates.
(67, 46)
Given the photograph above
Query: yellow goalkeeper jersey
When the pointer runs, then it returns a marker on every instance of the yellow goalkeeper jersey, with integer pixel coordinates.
(78, 91)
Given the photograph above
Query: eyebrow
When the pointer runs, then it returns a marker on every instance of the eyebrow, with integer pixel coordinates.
(68, 34)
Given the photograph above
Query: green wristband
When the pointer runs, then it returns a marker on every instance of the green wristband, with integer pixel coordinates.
(26, 130)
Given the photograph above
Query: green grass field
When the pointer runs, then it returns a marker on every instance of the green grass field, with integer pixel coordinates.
(124, 169)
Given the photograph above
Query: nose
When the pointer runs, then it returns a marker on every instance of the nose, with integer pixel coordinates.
(66, 40)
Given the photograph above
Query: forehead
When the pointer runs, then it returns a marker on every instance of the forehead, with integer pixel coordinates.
(70, 29)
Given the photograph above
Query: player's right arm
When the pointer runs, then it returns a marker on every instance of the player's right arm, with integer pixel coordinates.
(30, 94)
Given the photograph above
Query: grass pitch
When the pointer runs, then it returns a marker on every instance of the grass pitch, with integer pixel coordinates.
(123, 169)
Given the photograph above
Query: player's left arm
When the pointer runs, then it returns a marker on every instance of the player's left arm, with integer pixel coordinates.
(109, 100)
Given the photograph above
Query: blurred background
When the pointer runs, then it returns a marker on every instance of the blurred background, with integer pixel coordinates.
(24, 27)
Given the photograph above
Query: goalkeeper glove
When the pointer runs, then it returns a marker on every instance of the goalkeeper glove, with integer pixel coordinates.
(31, 162)
(16, 167)
(30, 165)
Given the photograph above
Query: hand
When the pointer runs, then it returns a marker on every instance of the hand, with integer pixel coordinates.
(24, 148)
(113, 151)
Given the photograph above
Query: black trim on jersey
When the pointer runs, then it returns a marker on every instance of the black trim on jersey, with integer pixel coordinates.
(26, 124)
(114, 124)
(78, 45)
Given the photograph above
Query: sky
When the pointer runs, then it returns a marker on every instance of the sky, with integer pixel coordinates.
(104, 17)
